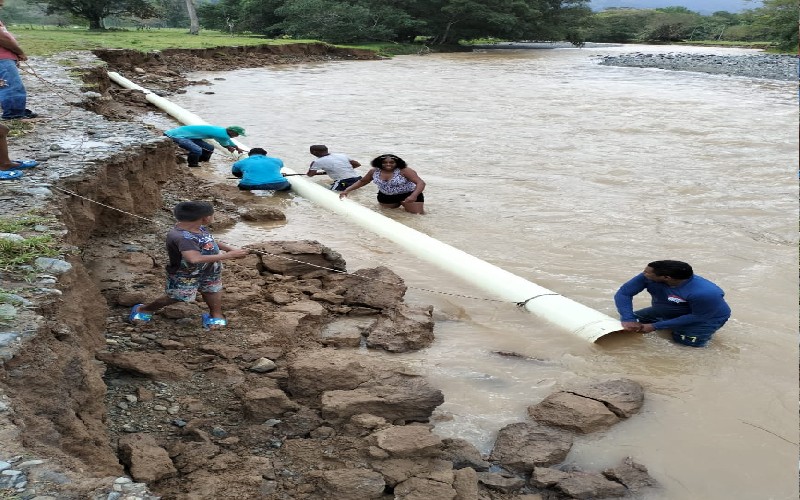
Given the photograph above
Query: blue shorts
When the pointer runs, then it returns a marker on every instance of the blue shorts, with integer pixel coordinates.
(393, 199)
(696, 335)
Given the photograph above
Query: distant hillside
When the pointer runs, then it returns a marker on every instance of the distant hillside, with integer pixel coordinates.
(701, 6)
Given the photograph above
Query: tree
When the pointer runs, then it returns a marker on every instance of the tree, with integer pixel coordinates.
(95, 11)
(340, 22)
(779, 18)
(670, 25)
(618, 25)
(172, 13)
(194, 24)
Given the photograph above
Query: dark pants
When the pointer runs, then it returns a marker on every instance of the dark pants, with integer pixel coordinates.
(199, 150)
(271, 186)
(695, 335)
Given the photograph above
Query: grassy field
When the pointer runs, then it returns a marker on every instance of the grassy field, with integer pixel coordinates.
(48, 40)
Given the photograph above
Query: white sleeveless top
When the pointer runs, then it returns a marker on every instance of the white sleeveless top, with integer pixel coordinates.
(398, 184)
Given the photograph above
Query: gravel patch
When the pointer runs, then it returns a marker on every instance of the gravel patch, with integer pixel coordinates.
(764, 66)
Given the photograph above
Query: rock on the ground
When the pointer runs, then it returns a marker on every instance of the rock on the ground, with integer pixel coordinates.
(572, 412)
(147, 461)
(402, 329)
(522, 446)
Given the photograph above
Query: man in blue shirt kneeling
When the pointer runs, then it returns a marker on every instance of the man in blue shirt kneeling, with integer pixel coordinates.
(692, 307)
(259, 171)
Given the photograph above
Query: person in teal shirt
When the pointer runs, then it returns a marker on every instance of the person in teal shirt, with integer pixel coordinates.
(259, 171)
(191, 138)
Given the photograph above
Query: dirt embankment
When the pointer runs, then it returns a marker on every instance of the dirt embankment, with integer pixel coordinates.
(286, 403)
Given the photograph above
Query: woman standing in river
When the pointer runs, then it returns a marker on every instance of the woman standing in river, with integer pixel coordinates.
(398, 184)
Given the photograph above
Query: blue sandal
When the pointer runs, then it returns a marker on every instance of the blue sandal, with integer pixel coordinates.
(135, 315)
(11, 174)
(20, 164)
(208, 321)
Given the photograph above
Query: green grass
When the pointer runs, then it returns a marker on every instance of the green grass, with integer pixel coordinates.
(48, 40)
(14, 253)
(389, 49)
(25, 222)
(18, 128)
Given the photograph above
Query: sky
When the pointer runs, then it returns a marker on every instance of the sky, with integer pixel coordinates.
(701, 6)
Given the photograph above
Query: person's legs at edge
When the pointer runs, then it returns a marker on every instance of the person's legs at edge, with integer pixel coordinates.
(214, 302)
(13, 96)
(193, 149)
(157, 304)
(179, 288)
(210, 287)
(207, 148)
(5, 161)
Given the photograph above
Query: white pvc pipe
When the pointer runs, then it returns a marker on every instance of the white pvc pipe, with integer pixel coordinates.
(576, 318)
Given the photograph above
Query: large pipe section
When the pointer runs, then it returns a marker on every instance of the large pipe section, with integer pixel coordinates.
(574, 317)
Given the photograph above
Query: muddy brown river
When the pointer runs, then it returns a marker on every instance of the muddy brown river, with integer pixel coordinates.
(573, 176)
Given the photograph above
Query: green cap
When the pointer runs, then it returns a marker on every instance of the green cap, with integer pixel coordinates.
(239, 130)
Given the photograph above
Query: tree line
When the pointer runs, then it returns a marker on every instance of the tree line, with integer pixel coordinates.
(776, 21)
(434, 22)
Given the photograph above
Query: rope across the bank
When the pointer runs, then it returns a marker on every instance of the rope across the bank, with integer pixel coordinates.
(262, 252)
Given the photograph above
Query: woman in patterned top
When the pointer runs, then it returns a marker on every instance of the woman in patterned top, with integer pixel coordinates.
(398, 184)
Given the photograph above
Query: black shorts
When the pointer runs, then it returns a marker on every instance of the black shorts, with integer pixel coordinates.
(343, 184)
(392, 199)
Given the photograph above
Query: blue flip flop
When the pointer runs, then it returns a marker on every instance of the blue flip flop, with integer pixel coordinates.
(11, 174)
(135, 315)
(21, 164)
(208, 322)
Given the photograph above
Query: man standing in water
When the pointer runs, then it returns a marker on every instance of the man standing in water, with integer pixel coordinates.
(692, 307)
(337, 165)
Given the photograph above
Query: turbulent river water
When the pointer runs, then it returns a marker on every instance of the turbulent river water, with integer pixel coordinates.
(574, 176)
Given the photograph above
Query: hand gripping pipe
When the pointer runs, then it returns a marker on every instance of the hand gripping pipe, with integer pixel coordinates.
(572, 316)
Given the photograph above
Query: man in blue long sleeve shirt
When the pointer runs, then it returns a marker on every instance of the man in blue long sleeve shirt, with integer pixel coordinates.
(692, 307)
(190, 138)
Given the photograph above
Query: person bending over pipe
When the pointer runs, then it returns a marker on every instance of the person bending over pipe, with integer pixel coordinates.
(259, 171)
(692, 307)
(191, 138)
(338, 166)
(397, 184)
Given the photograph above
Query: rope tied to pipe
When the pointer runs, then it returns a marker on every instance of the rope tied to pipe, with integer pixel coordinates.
(525, 302)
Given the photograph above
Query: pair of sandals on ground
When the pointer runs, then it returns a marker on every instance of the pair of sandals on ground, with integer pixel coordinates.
(209, 322)
(16, 169)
